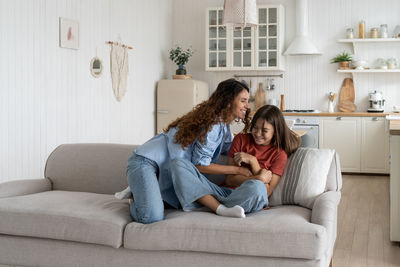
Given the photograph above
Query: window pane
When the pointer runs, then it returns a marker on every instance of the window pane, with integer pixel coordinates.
(212, 45)
(262, 15)
(272, 15)
(212, 17)
(272, 43)
(262, 59)
(213, 32)
(222, 32)
(262, 30)
(246, 44)
(237, 44)
(237, 59)
(247, 32)
(222, 44)
(272, 30)
(237, 32)
(262, 44)
(222, 59)
(247, 59)
(212, 60)
(272, 59)
(219, 17)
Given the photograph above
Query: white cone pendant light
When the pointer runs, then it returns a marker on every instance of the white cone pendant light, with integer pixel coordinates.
(240, 13)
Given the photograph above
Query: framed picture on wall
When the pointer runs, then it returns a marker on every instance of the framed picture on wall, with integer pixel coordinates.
(69, 33)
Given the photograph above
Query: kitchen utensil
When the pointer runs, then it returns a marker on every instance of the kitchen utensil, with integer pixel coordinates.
(347, 106)
(346, 94)
(282, 103)
(332, 97)
(259, 97)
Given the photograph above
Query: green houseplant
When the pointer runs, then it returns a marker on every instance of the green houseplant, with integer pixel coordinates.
(343, 59)
(180, 57)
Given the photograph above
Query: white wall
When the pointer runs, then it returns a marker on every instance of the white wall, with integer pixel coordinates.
(307, 79)
(47, 94)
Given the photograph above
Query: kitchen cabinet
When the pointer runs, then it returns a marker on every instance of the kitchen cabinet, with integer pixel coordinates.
(362, 143)
(374, 145)
(245, 48)
(343, 135)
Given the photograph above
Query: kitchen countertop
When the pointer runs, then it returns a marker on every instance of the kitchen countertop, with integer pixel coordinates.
(394, 127)
(341, 114)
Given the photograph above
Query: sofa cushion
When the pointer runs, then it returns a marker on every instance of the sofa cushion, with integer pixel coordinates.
(304, 177)
(283, 231)
(95, 168)
(73, 216)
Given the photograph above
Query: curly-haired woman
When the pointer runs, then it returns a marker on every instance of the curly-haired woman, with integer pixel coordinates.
(200, 137)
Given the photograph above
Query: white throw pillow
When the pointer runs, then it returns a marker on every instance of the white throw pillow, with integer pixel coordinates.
(304, 177)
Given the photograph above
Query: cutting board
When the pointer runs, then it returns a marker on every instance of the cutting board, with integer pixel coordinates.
(347, 96)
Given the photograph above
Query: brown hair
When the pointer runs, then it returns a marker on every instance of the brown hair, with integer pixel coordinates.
(198, 122)
(283, 137)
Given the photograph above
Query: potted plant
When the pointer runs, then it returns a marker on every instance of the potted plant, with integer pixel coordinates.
(180, 57)
(343, 59)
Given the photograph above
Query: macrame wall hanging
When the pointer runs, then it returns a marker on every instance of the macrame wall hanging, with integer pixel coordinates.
(119, 66)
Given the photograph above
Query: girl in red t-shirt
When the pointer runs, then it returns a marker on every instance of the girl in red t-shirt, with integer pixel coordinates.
(264, 150)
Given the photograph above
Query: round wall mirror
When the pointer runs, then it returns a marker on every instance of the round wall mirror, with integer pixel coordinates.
(96, 67)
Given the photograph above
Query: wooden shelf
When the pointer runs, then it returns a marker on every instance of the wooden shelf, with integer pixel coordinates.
(369, 71)
(369, 40)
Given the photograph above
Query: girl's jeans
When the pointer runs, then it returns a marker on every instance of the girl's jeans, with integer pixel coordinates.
(190, 185)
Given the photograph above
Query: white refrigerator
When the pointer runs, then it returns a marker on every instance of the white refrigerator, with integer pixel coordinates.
(177, 97)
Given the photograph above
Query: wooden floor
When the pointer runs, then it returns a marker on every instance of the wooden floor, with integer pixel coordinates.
(363, 224)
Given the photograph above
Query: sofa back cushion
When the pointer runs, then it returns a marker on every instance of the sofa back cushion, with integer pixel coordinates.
(96, 168)
(304, 177)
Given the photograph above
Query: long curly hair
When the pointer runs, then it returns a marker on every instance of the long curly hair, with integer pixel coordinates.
(198, 122)
(283, 137)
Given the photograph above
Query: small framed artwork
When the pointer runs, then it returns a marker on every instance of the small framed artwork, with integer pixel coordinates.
(69, 33)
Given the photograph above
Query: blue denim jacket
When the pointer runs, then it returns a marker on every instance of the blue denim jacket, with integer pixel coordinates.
(162, 149)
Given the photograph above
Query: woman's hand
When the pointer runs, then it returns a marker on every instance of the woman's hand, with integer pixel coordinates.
(244, 171)
(240, 157)
(264, 176)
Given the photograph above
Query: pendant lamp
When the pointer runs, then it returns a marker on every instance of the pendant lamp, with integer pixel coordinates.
(240, 13)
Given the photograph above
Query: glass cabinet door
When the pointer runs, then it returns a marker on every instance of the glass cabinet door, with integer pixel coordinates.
(217, 40)
(242, 47)
(267, 38)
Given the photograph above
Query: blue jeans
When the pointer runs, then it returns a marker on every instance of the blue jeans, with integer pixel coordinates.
(142, 175)
(190, 185)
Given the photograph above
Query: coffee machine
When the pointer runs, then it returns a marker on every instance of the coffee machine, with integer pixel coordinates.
(376, 102)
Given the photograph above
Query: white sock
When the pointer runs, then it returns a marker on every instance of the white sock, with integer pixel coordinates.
(236, 211)
(126, 193)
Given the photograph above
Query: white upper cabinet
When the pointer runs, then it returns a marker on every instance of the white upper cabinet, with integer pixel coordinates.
(258, 48)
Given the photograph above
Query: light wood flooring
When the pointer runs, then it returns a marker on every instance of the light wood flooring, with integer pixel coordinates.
(363, 224)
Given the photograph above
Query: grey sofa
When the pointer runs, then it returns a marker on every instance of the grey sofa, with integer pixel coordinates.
(71, 218)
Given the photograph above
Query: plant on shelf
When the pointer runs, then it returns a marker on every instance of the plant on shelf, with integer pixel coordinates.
(180, 57)
(343, 59)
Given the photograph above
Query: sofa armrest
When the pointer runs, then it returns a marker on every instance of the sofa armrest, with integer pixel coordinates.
(24, 187)
(324, 213)
(324, 210)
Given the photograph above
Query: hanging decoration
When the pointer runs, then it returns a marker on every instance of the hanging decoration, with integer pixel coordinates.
(119, 66)
(240, 13)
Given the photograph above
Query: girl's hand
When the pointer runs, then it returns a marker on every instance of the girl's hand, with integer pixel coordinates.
(244, 171)
(264, 176)
(240, 157)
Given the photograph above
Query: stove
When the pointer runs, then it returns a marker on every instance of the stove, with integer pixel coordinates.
(301, 111)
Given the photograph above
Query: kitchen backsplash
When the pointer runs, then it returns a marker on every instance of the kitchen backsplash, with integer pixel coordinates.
(307, 80)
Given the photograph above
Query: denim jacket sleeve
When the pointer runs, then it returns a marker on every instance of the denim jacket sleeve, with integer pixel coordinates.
(203, 154)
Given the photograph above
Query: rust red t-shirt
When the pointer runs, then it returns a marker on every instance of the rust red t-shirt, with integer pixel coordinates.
(269, 157)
